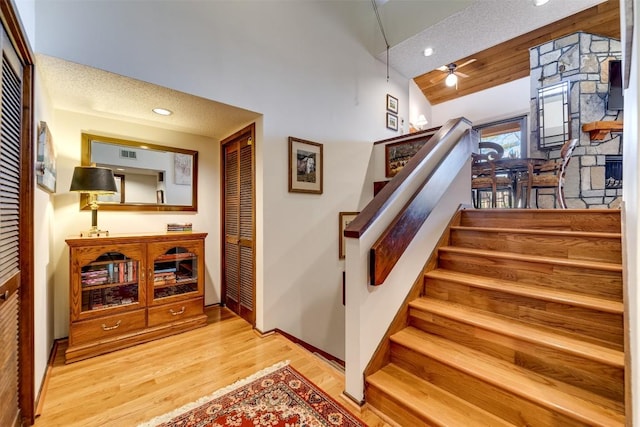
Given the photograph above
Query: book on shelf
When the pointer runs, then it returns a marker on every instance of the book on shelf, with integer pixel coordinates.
(179, 226)
(174, 257)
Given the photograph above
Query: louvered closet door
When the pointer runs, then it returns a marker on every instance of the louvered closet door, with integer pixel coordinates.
(10, 149)
(239, 230)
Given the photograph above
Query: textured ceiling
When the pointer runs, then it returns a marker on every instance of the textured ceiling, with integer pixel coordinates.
(82, 89)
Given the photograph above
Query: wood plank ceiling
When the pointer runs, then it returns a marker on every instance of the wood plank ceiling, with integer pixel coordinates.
(509, 61)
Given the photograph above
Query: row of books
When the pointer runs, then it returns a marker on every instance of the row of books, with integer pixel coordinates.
(109, 297)
(179, 226)
(120, 272)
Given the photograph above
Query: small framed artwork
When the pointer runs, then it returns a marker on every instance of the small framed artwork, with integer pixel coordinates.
(46, 160)
(344, 219)
(392, 121)
(392, 104)
(305, 166)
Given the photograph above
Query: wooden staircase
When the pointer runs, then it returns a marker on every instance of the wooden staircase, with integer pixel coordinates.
(519, 322)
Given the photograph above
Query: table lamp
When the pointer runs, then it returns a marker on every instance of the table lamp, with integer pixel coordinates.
(93, 181)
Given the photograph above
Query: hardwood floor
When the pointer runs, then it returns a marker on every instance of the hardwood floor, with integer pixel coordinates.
(130, 386)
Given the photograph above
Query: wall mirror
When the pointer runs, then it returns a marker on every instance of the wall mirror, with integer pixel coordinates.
(149, 177)
(553, 115)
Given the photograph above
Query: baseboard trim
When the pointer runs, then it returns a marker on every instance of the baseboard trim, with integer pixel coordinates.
(47, 375)
(311, 348)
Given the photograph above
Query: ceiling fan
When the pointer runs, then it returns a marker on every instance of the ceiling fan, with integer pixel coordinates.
(451, 73)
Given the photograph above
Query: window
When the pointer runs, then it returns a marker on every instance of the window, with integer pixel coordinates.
(511, 134)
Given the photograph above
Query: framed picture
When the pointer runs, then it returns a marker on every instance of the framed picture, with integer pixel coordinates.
(182, 167)
(305, 166)
(392, 104)
(392, 121)
(45, 160)
(397, 154)
(117, 197)
(344, 219)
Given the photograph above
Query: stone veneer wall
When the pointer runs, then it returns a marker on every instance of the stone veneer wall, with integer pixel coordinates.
(582, 60)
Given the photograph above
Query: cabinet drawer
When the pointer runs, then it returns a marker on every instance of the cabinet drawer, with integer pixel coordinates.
(176, 311)
(106, 327)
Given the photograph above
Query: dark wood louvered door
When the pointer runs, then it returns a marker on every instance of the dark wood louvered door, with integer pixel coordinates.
(10, 217)
(238, 205)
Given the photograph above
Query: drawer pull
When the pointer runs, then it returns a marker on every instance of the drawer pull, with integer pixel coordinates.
(111, 328)
(4, 295)
(176, 313)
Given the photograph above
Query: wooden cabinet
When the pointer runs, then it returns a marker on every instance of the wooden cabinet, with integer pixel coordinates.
(125, 290)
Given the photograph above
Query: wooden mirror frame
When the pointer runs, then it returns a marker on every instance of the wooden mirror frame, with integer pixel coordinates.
(86, 161)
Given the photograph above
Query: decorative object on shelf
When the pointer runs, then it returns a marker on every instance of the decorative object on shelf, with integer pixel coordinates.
(179, 226)
(392, 121)
(46, 160)
(93, 181)
(344, 219)
(278, 395)
(392, 104)
(305, 166)
(419, 124)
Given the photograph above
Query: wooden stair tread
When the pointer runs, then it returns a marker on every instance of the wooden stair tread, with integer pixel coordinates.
(556, 396)
(595, 265)
(531, 291)
(519, 330)
(540, 231)
(434, 404)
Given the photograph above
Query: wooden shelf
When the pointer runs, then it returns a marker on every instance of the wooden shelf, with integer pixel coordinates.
(598, 130)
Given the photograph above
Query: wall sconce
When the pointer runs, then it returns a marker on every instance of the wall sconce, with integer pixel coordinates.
(93, 181)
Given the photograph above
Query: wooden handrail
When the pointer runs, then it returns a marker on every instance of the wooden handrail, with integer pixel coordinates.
(388, 249)
(369, 214)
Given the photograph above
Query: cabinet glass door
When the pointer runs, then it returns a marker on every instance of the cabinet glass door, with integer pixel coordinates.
(111, 280)
(175, 273)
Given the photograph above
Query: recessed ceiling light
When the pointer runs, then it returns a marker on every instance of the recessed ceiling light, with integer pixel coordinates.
(162, 111)
(540, 2)
(428, 51)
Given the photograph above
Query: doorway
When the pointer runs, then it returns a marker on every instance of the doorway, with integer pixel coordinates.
(238, 223)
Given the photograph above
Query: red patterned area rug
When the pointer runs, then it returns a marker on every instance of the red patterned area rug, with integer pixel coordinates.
(278, 396)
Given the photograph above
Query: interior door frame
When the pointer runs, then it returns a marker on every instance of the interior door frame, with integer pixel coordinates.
(26, 322)
(248, 131)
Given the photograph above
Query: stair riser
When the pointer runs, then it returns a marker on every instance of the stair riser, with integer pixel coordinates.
(510, 407)
(606, 284)
(581, 372)
(388, 405)
(579, 248)
(556, 219)
(602, 326)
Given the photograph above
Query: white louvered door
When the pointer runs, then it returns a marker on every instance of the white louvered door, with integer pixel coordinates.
(239, 229)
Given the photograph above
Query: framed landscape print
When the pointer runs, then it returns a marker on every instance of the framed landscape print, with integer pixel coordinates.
(392, 104)
(305, 166)
(397, 154)
(344, 219)
(392, 121)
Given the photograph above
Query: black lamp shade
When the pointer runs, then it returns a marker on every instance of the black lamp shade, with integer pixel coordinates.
(91, 179)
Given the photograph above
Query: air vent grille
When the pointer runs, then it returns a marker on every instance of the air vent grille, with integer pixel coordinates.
(128, 154)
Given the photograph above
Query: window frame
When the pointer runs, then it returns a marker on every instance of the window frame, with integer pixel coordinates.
(522, 122)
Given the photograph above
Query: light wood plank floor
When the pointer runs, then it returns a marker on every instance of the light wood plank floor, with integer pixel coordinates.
(127, 387)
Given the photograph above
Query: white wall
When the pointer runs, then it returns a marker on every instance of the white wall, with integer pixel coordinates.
(630, 196)
(70, 221)
(499, 102)
(295, 63)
